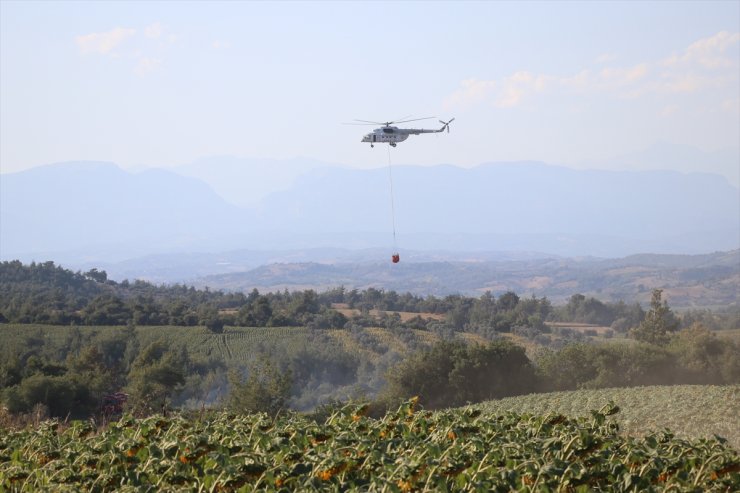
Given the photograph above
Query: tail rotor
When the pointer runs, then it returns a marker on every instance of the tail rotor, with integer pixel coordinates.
(446, 125)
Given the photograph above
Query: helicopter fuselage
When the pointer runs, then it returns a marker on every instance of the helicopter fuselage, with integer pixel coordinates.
(386, 135)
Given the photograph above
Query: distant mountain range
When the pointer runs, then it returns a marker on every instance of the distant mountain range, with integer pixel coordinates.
(96, 212)
(245, 182)
(679, 157)
(189, 267)
(81, 209)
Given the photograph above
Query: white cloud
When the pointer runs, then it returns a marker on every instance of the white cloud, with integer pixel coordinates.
(221, 45)
(618, 76)
(145, 52)
(731, 106)
(578, 82)
(708, 52)
(520, 85)
(103, 43)
(669, 111)
(681, 83)
(154, 31)
(606, 57)
(704, 65)
(630, 82)
(147, 65)
(472, 91)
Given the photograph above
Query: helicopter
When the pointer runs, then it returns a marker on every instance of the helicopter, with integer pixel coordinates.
(393, 135)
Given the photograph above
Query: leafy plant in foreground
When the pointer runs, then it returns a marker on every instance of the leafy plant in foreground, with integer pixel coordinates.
(406, 450)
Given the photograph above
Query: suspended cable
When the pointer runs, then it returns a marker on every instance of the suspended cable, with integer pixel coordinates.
(393, 208)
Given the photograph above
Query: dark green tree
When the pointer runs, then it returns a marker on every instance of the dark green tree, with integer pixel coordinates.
(265, 389)
(156, 375)
(507, 301)
(97, 275)
(704, 358)
(453, 374)
(107, 309)
(659, 322)
(208, 316)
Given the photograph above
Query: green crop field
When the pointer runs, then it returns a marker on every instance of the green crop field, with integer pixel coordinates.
(234, 345)
(690, 411)
(463, 450)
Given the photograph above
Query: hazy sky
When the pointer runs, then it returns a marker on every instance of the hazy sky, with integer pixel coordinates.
(146, 83)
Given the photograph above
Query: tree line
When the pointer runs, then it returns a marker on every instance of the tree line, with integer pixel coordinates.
(45, 293)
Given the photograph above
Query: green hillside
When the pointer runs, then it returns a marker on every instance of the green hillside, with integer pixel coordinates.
(690, 411)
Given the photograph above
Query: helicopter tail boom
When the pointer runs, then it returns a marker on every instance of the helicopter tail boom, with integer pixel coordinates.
(417, 131)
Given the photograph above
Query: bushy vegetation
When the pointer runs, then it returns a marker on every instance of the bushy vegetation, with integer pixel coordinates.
(581, 309)
(70, 371)
(453, 374)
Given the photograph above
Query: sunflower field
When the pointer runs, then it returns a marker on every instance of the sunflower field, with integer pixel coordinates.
(464, 449)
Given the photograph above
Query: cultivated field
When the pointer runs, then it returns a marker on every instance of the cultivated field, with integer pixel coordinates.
(690, 411)
(406, 450)
(348, 312)
(234, 345)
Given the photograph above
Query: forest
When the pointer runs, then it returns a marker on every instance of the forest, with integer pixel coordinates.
(80, 345)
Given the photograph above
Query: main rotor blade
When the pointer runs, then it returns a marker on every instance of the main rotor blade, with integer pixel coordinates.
(397, 120)
(415, 119)
(368, 122)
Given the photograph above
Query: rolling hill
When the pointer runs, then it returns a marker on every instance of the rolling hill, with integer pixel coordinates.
(687, 280)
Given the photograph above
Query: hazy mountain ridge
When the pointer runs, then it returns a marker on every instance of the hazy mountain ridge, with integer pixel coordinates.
(699, 281)
(72, 211)
(512, 199)
(245, 182)
(681, 157)
(98, 206)
(724, 259)
(183, 267)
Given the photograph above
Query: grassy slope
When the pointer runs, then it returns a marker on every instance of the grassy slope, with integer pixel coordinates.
(690, 411)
